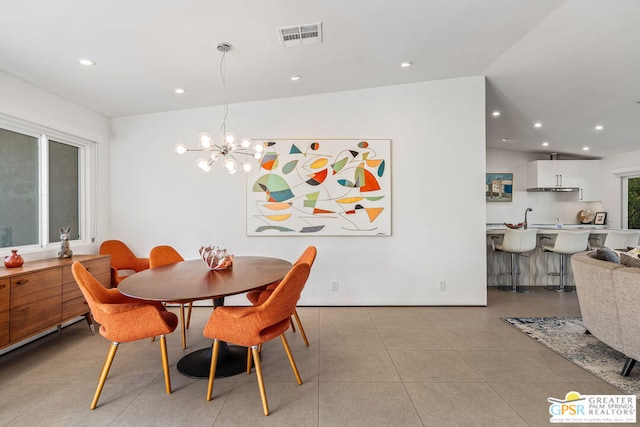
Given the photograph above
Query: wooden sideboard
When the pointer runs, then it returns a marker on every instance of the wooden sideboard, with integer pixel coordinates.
(41, 295)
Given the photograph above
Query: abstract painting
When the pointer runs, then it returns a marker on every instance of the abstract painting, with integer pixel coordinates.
(336, 187)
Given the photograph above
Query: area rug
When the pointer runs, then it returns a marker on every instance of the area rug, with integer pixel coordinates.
(565, 336)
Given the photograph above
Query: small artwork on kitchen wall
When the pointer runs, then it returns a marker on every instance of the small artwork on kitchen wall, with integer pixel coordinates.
(499, 187)
(331, 187)
(600, 218)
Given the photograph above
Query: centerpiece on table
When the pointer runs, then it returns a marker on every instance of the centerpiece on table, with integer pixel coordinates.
(216, 258)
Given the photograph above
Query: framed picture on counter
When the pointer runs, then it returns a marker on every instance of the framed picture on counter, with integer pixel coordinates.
(600, 218)
(499, 187)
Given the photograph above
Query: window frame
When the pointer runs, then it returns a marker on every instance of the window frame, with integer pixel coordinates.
(625, 196)
(87, 180)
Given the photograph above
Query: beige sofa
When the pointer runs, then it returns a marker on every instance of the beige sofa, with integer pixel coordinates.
(609, 296)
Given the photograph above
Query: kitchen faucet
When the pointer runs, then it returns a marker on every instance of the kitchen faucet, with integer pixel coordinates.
(525, 217)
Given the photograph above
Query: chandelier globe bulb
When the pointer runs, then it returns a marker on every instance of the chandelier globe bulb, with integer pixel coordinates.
(203, 164)
(205, 140)
(230, 138)
(230, 164)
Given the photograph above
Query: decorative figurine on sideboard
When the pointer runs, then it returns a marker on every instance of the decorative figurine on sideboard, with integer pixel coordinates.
(65, 251)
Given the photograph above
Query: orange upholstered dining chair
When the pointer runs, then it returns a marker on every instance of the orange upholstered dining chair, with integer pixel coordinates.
(253, 326)
(259, 296)
(122, 259)
(165, 255)
(124, 319)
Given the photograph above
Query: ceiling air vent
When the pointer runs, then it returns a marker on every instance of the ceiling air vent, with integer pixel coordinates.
(300, 35)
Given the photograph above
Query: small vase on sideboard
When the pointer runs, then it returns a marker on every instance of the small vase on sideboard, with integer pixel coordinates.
(13, 260)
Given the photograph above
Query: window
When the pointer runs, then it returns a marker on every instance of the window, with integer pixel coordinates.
(64, 188)
(631, 200)
(19, 192)
(43, 185)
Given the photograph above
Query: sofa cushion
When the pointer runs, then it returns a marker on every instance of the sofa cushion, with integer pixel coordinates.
(629, 260)
(634, 251)
(606, 254)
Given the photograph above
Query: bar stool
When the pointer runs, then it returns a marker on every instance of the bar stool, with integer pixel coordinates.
(567, 243)
(515, 242)
(621, 239)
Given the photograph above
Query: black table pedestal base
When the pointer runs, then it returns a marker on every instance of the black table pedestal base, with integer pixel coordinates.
(232, 360)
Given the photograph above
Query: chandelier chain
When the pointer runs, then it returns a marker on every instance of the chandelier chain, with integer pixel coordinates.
(223, 125)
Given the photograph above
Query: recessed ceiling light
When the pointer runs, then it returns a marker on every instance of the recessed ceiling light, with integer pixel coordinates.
(585, 148)
(87, 62)
(179, 91)
(545, 144)
(599, 127)
(496, 113)
(537, 125)
(406, 64)
(295, 78)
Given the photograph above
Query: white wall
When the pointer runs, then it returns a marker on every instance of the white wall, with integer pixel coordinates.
(546, 206)
(26, 102)
(437, 165)
(611, 189)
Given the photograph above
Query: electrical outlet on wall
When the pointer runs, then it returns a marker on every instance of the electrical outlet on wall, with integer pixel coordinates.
(334, 285)
(442, 285)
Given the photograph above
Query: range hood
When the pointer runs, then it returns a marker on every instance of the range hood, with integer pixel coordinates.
(553, 189)
(554, 176)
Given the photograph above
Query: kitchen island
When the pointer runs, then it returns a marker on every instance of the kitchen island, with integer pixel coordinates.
(535, 265)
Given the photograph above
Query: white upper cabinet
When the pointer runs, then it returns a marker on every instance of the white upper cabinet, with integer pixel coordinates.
(554, 174)
(565, 175)
(590, 181)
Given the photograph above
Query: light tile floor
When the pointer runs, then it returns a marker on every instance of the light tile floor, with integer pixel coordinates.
(366, 366)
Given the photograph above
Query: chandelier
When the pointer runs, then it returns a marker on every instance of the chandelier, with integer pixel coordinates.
(231, 152)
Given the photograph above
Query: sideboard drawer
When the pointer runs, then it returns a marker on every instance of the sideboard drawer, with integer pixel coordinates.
(104, 279)
(96, 267)
(99, 268)
(70, 291)
(74, 307)
(36, 302)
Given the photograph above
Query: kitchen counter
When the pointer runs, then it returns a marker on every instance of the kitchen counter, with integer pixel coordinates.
(535, 265)
(549, 228)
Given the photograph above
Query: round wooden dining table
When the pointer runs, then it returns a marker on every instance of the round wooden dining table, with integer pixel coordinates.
(192, 281)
